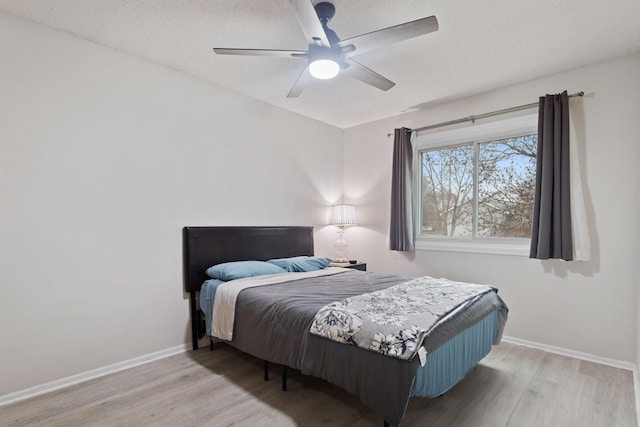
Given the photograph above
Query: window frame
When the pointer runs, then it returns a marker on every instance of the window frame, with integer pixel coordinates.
(476, 133)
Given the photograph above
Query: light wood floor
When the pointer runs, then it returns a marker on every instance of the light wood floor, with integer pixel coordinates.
(513, 386)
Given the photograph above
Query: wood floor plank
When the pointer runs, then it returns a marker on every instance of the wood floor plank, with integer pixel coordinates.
(514, 386)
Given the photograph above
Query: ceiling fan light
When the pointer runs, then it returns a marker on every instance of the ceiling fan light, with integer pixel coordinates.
(324, 69)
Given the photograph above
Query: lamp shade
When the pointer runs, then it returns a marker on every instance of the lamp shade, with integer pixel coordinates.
(343, 215)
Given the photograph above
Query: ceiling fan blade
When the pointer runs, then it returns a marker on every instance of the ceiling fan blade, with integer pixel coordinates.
(311, 25)
(364, 74)
(375, 39)
(304, 80)
(262, 52)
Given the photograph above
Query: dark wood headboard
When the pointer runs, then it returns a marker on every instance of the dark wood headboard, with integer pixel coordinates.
(207, 246)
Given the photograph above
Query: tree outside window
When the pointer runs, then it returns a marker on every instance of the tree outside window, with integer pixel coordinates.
(478, 189)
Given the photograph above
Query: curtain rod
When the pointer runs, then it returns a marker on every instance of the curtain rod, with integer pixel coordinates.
(483, 116)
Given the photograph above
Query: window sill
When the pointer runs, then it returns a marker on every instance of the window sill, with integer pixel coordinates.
(519, 247)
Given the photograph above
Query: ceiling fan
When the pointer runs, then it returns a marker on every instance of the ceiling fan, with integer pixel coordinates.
(328, 55)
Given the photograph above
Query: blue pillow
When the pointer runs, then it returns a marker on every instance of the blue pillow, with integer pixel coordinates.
(241, 269)
(301, 263)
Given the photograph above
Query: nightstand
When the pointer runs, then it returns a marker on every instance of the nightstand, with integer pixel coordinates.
(362, 266)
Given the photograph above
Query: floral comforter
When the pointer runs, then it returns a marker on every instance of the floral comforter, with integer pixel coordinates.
(394, 321)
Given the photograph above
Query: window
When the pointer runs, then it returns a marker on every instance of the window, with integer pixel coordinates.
(476, 187)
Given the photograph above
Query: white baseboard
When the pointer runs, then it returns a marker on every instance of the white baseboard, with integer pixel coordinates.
(572, 353)
(89, 375)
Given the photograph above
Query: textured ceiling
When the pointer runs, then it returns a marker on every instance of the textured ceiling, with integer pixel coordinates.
(481, 45)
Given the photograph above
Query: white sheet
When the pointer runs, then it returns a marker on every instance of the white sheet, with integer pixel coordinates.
(224, 304)
(579, 222)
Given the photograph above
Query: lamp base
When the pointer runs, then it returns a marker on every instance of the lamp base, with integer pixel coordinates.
(341, 246)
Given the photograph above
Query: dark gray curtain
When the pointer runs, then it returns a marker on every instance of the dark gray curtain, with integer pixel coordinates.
(551, 228)
(401, 229)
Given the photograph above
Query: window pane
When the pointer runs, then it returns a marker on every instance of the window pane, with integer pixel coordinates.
(447, 192)
(506, 186)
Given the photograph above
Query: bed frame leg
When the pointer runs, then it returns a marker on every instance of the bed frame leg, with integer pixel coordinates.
(284, 378)
(386, 424)
(210, 343)
(194, 320)
(284, 374)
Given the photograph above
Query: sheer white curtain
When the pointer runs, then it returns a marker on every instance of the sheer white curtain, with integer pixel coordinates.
(580, 226)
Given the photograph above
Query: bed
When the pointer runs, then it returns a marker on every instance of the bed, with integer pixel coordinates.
(272, 322)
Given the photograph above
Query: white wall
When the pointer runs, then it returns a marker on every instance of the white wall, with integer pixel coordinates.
(587, 307)
(103, 159)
